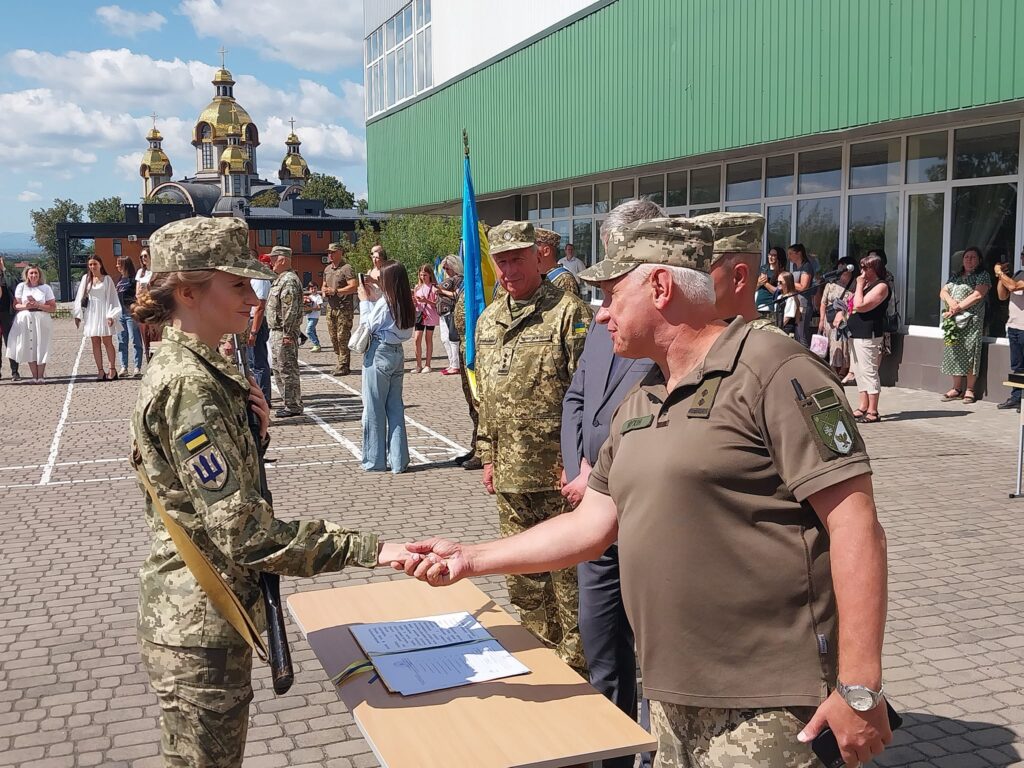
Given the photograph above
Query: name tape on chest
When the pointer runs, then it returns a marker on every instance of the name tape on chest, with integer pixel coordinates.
(638, 422)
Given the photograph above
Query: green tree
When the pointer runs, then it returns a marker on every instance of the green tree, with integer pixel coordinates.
(106, 210)
(362, 205)
(330, 189)
(45, 221)
(416, 239)
(267, 199)
(161, 200)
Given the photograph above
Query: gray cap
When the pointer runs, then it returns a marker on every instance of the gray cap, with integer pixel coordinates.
(510, 236)
(735, 232)
(200, 243)
(280, 250)
(673, 242)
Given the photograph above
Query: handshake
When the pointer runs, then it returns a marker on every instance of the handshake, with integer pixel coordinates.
(438, 562)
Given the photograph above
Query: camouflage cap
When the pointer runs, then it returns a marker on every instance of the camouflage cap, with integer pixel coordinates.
(280, 250)
(734, 232)
(675, 242)
(199, 243)
(335, 247)
(510, 236)
(547, 237)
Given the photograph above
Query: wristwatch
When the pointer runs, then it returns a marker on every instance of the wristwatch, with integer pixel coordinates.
(859, 697)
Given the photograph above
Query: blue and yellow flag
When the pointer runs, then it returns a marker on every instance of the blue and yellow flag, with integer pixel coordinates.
(478, 272)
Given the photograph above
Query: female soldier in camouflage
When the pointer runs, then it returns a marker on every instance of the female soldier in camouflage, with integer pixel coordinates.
(192, 441)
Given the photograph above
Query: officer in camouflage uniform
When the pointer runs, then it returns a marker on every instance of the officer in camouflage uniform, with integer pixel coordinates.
(469, 460)
(284, 316)
(555, 273)
(339, 288)
(528, 342)
(190, 438)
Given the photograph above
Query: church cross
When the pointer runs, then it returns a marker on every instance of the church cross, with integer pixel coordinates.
(292, 123)
(223, 50)
(154, 119)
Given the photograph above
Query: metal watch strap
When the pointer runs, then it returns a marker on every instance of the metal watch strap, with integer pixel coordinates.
(843, 689)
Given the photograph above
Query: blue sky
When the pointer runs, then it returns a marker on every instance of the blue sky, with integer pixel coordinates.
(79, 79)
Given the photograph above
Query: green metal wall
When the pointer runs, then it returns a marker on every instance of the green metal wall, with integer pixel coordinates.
(642, 81)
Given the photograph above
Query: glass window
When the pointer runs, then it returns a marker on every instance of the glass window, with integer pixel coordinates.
(778, 176)
(582, 239)
(564, 228)
(744, 208)
(582, 200)
(407, 20)
(530, 207)
(820, 171)
(426, 11)
(207, 155)
(986, 150)
(429, 78)
(778, 227)
(702, 211)
(676, 183)
(280, 234)
(307, 245)
(390, 28)
(652, 188)
(601, 198)
(419, 13)
(117, 247)
(924, 257)
(391, 79)
(622, 191)
(743, 180)
(875, 164)
(873, 223)
(560, 203)
(420, 68)
(264, 236)
(985, 217)
(817, 227)
(409, 87)
(926, 157)
(706, 185)
(545, 205)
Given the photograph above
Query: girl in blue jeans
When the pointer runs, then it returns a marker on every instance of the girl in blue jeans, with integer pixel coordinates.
(386, 308)
(126, 293)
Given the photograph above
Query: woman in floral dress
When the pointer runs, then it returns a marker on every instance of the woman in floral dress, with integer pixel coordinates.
(963, 321)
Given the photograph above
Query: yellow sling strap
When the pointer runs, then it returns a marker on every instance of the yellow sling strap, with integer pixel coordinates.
(220, 594)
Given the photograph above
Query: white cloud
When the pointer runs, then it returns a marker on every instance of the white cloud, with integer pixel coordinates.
(308, 34)
(121, 21)
(28, 196)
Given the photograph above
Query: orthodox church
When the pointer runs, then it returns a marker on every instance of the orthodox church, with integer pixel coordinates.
(227, 174)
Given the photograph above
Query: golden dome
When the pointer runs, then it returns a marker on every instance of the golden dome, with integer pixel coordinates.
(223, 114)
(154, 135)
(155, 163)
(292, 139)
(236, 159)
(223, 77)
(293, 167)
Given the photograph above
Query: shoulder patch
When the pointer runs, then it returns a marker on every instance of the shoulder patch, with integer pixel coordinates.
(579, 329)
(638, 422)
(209, 468)
(194, 439)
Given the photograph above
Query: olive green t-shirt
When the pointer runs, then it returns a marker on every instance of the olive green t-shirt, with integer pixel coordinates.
(725, 566)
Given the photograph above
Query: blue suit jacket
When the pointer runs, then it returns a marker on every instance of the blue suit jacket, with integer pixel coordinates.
(592, 398)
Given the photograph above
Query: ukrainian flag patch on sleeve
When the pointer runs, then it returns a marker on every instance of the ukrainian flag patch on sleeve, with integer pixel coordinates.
(579, 329)
(194, 439)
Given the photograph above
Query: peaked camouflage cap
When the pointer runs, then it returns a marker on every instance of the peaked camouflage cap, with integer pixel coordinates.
(672, 242)
(734, 232)
(335, 247)
(199, 243)
(510, 236)
(547, 237)
(280, 250)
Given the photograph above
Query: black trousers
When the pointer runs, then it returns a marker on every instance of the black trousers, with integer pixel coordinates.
(6, 323)
(261, 359)
(608, 642)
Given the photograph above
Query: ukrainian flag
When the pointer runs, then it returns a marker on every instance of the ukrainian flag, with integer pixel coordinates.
(478, 272)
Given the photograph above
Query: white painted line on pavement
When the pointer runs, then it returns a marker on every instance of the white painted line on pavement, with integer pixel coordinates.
(64, 464)
(69, 482)
(55, 445)
(299, 447)
(98, 421)
(340, 439)
(325, 462)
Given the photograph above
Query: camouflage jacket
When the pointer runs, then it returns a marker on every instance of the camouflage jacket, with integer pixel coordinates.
(564, 280)
(523, 367)
(284, 304)
(191, 438)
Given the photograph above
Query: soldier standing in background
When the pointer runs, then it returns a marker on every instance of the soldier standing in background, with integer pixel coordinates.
(557, 275)
(528, 342)
(284, 316)
(339, 287)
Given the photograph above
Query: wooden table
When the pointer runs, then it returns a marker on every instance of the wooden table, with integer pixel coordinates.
(550, 717)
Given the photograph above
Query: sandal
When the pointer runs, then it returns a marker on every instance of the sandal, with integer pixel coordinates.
(102, 376)
(869, 417)
(968, 399)
(953, 394)
(858, 414)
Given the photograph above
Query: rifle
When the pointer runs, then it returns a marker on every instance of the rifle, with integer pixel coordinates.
(270, 583)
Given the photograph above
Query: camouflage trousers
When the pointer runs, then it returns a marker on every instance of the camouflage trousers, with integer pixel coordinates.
(697, 737)
(470, 402)
(548, 603)
(339, 326)
(204, 696)
(285, 366)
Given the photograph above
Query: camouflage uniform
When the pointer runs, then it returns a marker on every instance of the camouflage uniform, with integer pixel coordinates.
(526, 356)
(191, 438)
(284, 316)
(339, 311)
(766, 324)
(558, 276)
(459, 317)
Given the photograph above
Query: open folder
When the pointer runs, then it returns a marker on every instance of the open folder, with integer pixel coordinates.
(434, 652)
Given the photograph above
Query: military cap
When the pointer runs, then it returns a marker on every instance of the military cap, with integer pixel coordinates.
(734, 232)
(280, 250)
(673, 242)
(199, 243)
(511, 235)
(335, 247)
(547, 237)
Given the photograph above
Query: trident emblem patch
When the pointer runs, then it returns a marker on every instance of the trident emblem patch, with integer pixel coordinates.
(209, 468)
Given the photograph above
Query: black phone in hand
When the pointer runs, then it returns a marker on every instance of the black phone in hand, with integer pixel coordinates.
(826, 747)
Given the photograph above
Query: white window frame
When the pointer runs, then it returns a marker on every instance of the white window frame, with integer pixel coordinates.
(417, 40)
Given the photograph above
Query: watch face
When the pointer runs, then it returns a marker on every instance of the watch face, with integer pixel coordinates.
(860, 699)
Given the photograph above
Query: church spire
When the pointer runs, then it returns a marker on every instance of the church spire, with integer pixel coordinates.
(294, 169)
(155, 168)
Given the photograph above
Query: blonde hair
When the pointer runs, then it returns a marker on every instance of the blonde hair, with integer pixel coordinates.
(37, 268)
(156, 306)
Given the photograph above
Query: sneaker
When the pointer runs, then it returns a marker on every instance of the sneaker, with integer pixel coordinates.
(122, 372)
(460, 460)
(15, 376)
(425, 369)
(1009, 403)
(314, 348)
(284, 413)
(138, 373)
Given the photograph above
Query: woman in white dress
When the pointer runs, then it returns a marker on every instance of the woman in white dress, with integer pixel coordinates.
(33, 326)
(96, 310)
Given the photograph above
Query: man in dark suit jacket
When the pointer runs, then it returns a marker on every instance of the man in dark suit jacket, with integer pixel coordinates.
(600, 383)
(7, 313)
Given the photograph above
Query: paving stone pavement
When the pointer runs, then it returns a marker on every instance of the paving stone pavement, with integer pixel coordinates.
(73, 691)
